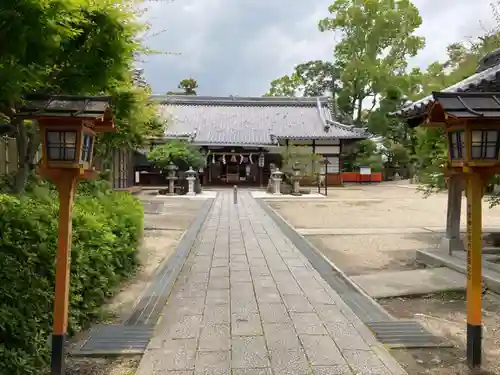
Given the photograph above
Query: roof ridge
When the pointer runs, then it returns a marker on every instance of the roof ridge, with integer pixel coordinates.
(239, 100)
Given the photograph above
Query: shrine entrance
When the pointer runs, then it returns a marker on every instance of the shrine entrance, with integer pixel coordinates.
(236, 167)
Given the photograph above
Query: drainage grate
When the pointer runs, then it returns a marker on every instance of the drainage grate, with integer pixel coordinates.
(116, 339)
(404, 334)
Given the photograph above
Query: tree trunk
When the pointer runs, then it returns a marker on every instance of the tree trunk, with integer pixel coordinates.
(360, 108)
(28, 143)
(22, 172)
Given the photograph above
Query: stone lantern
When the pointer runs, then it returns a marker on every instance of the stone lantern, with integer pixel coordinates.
(277, 176)
(171, 177)
(191, 177)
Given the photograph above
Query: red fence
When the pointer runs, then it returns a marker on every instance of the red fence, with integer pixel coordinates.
(336, 179)
(357, 177)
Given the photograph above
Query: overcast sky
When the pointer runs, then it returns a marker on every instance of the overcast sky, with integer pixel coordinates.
(236, 47)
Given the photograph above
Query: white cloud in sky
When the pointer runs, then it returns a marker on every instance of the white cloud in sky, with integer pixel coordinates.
(238, 46)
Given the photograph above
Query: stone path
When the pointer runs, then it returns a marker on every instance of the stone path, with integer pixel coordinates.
(247, 302)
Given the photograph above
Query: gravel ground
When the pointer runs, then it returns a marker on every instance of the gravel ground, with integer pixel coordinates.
(400, 221)
(374, 206)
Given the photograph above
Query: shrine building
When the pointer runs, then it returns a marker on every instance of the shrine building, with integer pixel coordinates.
(242, 136)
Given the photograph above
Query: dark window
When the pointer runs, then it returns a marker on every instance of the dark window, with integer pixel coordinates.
(485, 144)
(86, 147)
(457, 145)
(61, 145)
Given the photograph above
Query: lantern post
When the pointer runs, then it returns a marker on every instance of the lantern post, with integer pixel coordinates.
(68, 126)
(471, 122)
(326, 162)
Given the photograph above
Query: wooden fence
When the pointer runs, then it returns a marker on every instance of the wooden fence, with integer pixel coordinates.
(121, 166)
(8, 155)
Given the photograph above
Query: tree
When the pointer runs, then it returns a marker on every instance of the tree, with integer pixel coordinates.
(364, 154)
(299, 157)
(285, 86)
(312, 78)
(69, 47)
(180, 153)
(461, 62)
(189, 85)
(376, 40)
(309, 79)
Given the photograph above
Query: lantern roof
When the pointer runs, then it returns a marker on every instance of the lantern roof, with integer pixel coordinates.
(94, 108)
(486, 78)
(464, 106)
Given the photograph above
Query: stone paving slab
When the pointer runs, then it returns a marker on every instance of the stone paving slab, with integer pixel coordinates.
(265, 309)
(412, 282)
(358, 231)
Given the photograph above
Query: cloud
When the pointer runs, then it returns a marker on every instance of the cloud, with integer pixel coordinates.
(238, 46)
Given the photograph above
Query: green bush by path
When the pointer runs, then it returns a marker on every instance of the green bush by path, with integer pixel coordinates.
(107, 228)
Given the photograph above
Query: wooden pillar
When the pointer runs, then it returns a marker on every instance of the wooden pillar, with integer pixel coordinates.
(451, 240)
(66, 186)
(474, 270)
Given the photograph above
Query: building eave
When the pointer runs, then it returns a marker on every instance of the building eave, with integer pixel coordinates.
(477, 82)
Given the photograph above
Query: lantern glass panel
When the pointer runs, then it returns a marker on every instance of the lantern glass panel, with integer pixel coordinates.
(457, 145)
(61, 145)
(87, 147)
(485, 144)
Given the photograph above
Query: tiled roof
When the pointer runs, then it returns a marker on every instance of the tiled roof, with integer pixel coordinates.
(486, 78)
(250, 120)
(485, 105)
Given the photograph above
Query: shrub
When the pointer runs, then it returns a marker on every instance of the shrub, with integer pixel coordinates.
(180, 153)
(107, 227)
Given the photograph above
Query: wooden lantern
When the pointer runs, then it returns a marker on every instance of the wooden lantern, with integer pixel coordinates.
(68, 126)
(472, 125)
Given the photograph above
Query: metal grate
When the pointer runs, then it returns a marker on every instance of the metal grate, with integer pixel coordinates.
(404, 334)
(116, 339)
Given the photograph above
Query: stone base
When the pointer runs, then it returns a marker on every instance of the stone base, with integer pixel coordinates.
(389, 284)
(191, 194)
(451, 244)
(439, 258)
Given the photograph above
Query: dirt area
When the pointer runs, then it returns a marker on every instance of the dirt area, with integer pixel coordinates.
(374, 206)
(398, 221)
(165, 221)
(444, 315)
(365, 254)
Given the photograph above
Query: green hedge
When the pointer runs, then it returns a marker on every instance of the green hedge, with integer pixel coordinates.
(107, 227)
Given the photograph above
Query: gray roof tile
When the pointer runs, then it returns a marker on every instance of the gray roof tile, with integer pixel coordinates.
(250, 120)
(480, 81)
